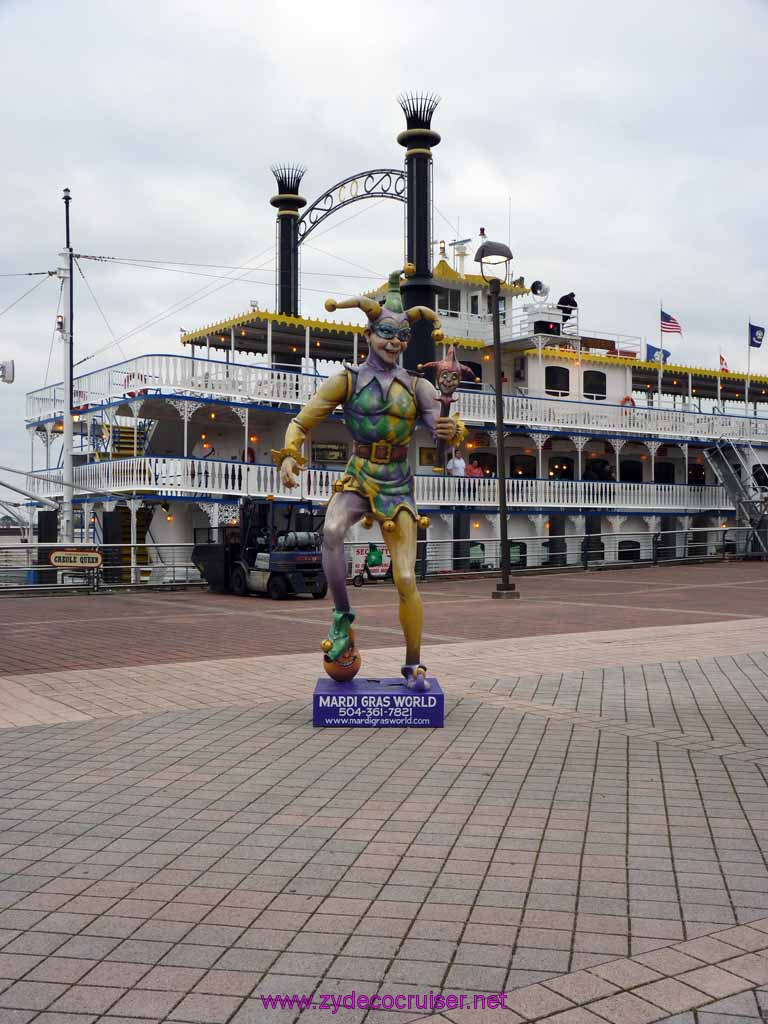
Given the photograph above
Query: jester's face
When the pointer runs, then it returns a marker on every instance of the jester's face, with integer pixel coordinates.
(448, 381)
(389, 336)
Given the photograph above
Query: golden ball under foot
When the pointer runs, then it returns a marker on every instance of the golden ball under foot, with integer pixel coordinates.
(326, 646)
(338, 486)
(343, 672)
(366, 522)
(423, 522)
(348, 663)
(388, 526)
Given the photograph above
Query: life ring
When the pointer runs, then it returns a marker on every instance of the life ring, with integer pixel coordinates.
(628, 402)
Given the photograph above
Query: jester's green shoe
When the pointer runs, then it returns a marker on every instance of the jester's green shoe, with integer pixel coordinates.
(338, 635)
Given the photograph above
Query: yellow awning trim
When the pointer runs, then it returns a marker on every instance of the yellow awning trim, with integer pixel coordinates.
(445, 271)
(255, 316)
(259, 316)
(465, 342)
(640, 364)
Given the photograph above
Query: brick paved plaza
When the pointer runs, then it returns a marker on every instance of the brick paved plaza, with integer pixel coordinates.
(588, 834)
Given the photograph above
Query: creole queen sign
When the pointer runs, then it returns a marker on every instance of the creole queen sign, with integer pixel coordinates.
(75, 558)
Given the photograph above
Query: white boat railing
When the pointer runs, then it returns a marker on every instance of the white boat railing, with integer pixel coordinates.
(178, 477)
(589, 417)
(144, 376)
(149, 374)
(516, 322)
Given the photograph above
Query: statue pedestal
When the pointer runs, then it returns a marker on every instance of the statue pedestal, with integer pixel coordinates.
(376, 704)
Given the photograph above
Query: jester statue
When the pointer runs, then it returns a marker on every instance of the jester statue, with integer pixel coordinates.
(381, 404)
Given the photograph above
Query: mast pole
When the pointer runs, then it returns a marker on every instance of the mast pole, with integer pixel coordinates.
(660, 356)
(749, 364)
(67, 332)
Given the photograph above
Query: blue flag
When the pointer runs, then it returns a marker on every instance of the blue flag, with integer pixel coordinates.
(756, 335)
(654, 354)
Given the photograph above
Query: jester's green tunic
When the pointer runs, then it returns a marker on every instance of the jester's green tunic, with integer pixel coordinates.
(380, 404)
(372, 416)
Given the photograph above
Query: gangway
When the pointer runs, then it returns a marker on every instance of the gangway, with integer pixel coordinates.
(741, 486)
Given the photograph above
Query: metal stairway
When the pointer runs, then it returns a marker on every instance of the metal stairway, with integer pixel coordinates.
(727, 461)
(120, 441)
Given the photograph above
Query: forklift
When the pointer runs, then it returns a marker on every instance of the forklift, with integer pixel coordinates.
(274, 550)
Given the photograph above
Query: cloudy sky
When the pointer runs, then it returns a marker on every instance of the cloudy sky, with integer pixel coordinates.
(630, 138)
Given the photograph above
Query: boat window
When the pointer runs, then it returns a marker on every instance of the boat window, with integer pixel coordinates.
(595, 549)
(502, 307)
(599, 469)
(696, 475)
(664, 473)
(629, 550)
(560, 468)
(449, 301)
(522, 466)
(557, 380)
(474, 305)
(594, 385)
(518, 554)
(558, 546)
(631, 471)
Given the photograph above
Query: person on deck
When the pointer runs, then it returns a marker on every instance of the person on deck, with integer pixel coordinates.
(567, 303)
(456, 466)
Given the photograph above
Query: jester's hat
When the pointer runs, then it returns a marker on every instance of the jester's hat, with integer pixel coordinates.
(451, 364)
(393, 303)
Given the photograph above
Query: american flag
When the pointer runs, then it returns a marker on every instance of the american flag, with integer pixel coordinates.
(669, 325)
(724, 364)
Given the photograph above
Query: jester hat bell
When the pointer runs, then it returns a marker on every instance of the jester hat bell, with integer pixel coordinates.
(393, 304)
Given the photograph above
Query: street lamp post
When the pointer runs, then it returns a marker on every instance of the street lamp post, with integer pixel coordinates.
(494, 259)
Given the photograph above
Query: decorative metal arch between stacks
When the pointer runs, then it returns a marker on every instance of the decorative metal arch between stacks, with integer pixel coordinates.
(382, 183)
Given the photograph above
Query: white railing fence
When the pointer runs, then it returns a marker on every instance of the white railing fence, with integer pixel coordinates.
(25, 567)
(186, 477)
(167, 374)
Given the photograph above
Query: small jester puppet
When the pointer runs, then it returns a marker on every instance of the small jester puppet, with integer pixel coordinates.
(381, 404)
(448, 374)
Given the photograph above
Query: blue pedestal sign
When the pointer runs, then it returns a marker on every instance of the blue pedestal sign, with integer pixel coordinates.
(376, 704)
